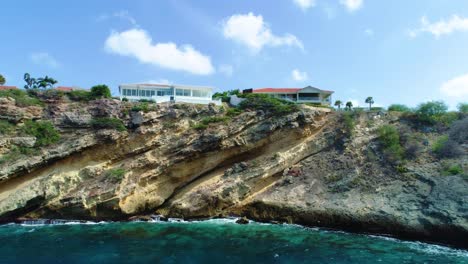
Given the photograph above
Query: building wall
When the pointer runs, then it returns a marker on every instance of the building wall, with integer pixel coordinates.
(166, 93)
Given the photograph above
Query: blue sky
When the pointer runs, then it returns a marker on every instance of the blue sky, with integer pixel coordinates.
(397, 51)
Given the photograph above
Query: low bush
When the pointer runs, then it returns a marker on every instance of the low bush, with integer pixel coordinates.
(100, 91)
(463, 108)
(452, 169)
(411, 142)
(22, 98)
(16, 152)
(199, 126)
(44, 132)
(115, 175)
(226, 96)
(399, 108)
(267, 103)
(349, 123)
(431, 112)
(146, 101)
(459, 131)
(215, 119)
(444, 147)
(79, 95)
(389, 138)
(231, 112)
(109, 123)
(6, 127)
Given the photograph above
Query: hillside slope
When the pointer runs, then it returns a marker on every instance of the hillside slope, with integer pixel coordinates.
(188, 161)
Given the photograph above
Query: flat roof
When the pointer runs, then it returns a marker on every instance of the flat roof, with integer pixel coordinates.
(168, 85)
(285, 90)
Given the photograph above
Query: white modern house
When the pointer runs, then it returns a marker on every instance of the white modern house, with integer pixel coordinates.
(308, 94)
(161, 93)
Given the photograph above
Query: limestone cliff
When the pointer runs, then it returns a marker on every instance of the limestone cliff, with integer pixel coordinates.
(300, 167)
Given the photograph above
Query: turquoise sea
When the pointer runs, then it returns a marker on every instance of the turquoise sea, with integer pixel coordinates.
(213, 241)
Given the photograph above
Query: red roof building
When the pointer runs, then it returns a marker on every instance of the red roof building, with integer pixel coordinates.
(4, 87)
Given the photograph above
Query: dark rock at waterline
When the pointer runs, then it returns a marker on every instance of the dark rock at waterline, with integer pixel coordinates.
(242, 221)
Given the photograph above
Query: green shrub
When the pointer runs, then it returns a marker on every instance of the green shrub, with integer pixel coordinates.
(231, 112)
(110, 123)
(144, 107)
(268, 104)
(444, 147)
(100, 91)
(22, 98)
(431, 112)
(146, 101)
(226, 95)
(349, 123)
(6, 127)
(458, 131)
(446, 119)
(452, 169)
(125, 99)
(214, 119)
(463, 108)
(389, 138)
(401, 168)
(44, 132)
(115, 175)
(79, 95)
(199, 126)
(399, 108)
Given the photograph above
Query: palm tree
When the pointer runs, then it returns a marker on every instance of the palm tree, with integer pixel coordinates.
(338, 104)
(349, 105)
(370, 101)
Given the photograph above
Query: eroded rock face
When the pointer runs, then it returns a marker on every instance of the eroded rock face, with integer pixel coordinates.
(9, 111)
(294, 168)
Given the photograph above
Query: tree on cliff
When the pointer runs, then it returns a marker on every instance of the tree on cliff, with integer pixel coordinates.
(100, 91)
(39, 83)
(2, 80)
(370, 101)
(338, 104)
(349, 105)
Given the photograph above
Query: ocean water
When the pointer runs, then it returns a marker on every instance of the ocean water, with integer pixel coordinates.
(213, 241)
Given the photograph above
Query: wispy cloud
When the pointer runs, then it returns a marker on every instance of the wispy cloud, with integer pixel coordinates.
(137, 43)
(44, 58)
(226, 69)
(456, 87)
(352, 5)
(299, 76)
(369, 32)
(442, 27)
(122, 14)
(252, 31)
(305, 4)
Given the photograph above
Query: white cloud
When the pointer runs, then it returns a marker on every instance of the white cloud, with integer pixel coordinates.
(352, 5)
(369, 32)
(226, 69)
(442, 27)
(44, 58)
(456, 87)
(305, 4)
(251, 31)
(138, 44)
(122, 14)
(299, 76)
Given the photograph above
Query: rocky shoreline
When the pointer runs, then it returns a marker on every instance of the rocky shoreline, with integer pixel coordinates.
(305, 167)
